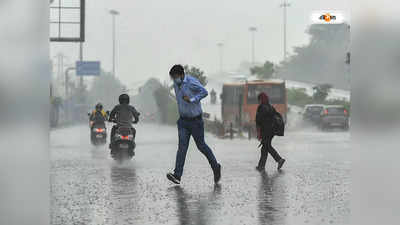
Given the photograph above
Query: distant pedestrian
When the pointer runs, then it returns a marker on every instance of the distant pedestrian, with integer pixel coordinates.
(189, 92)
(264, 122)
(213, 96)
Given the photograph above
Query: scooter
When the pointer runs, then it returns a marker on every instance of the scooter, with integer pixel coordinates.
(98, 132)
(123, 143)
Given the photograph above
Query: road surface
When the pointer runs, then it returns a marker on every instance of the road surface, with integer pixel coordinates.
(88, 187)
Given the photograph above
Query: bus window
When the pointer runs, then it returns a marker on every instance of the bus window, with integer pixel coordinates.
(276, 93)
(231, 94)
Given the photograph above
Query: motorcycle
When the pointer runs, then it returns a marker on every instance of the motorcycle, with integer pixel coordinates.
(98, 132)
(123, 143)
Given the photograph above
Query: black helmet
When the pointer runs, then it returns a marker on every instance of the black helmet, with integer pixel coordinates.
(99, 107)
(123, 99)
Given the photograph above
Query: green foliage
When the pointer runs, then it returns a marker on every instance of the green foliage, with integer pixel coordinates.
(323, 59)
(106, 89)
(196, 72)
(298, 96)
(172, 113)
(265, 71)
(321, 92)
(166, 105)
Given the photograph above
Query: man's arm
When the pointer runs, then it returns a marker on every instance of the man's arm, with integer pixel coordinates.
(198, 89)
(135, 114)
(91, 118)
(112, 114)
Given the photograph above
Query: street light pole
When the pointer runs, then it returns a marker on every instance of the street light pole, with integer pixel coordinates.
(220, 47)
(81, 59)
(253, 31)
(284, 5)
(113, 14)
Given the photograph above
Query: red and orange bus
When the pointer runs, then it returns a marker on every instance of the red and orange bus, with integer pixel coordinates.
(239, 101)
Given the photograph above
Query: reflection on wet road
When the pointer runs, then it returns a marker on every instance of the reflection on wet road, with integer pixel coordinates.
(195, 212)
(87, 187)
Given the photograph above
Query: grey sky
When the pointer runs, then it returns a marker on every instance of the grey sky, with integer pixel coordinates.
(153, 34)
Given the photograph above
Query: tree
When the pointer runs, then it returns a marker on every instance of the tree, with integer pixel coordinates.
(265, 71)
(166, 106)
(321, 91)
(196, 72)
(106, 89)
(298, 96)
(323, 59)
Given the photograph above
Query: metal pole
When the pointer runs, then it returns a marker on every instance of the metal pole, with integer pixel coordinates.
(81, 59)
(252, 48)
(67, 91)
(240, 113)
(284, 32)
(113, 14)
(284, 5)
(59, 18)
(113, 21)
(253, 31)
(220, 46)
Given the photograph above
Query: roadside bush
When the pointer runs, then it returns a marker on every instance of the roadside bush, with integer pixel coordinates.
(166, 105)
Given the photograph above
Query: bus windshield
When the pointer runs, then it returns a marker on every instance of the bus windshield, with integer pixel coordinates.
(275, 92)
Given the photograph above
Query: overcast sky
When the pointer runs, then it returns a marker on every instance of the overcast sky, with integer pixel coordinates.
(153, 34)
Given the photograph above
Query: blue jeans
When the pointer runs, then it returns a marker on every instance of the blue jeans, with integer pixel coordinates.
(186, 129)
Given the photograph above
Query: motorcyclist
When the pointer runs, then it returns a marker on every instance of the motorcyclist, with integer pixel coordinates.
(123, 115)
(98, 115)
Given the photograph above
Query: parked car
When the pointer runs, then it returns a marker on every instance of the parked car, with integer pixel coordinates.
(334, 116)
(312, 113)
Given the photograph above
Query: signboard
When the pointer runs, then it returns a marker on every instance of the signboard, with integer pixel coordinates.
(67, 20)
(88, 68)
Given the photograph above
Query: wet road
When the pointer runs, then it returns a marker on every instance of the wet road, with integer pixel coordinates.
(87, 187)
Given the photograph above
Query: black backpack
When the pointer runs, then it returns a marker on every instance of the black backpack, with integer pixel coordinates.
(278, 125)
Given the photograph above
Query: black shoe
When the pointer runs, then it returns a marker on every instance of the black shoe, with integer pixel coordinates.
(260, 168)
(172, 177)
(217, 173)
(280, 163)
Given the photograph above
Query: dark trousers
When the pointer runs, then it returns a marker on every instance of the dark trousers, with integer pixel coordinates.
(267, 148)
(195, 128)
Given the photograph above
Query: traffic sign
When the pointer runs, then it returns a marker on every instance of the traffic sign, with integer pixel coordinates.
(88, 68)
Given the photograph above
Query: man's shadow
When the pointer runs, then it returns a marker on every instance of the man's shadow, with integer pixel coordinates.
(197, 212)
(270, 199)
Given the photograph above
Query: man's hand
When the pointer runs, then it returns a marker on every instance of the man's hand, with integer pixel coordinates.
(186, 98)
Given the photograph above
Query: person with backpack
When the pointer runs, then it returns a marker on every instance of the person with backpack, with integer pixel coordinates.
(269, 123)
(98, 116)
